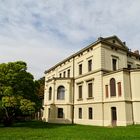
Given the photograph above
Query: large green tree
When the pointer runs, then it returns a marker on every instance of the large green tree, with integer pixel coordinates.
(17, 91)
(40, 84)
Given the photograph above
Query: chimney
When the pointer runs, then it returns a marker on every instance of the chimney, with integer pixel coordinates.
(124, 43)
(100, 38)
(136, 52)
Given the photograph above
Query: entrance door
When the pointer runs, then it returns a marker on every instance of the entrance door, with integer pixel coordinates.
(114, 116)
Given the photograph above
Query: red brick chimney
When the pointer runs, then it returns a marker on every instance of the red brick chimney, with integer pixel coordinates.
(136, 52)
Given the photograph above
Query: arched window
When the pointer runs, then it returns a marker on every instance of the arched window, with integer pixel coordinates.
(61, 93)
(112, 87)
(50, 93)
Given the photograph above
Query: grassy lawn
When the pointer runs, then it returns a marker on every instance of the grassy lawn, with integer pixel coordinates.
(43, 131)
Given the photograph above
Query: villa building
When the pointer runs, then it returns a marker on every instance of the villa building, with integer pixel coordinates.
(98, 85)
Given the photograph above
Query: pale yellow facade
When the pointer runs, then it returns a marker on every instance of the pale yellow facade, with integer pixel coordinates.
(99, 85)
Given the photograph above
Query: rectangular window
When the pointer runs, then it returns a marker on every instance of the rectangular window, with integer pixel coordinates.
(89, 65)
(68, 72)
(80, 92)
(80, 113)
(106, 90)
(138, 66)
(60, 113)
(80, 69)
(119, 89)
(114, 64)
(60, 75)
(90, 90)
(129, 66)
(64, 74)
(90, 113)
(49, 112)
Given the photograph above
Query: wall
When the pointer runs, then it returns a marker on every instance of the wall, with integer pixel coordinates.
(135, 84)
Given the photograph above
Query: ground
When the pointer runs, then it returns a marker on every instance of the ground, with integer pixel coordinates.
(36, 130)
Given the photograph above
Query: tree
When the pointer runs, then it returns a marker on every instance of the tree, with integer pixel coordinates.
(17, 91)
(40, 84)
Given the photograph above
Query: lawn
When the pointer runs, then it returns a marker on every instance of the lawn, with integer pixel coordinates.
(36, 130)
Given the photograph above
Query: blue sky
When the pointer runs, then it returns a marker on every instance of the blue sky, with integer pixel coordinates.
(43, 32)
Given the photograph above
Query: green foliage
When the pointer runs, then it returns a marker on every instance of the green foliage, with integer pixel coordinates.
(39, 84)
(17, 90)
(27, 107)
(39, 90)
(9, 101)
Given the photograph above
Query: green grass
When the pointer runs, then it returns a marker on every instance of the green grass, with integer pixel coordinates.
(43, 131)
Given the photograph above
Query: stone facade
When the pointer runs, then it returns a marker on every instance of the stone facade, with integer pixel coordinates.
(99, 85)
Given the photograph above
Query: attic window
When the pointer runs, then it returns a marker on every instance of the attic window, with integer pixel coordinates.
(113, 41)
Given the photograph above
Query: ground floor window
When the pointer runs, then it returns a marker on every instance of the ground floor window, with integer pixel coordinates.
(90, 113)
(80, 113)
(49, 112)
(60, 113)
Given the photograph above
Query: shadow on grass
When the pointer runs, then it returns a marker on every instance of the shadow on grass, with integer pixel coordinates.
(36, 125)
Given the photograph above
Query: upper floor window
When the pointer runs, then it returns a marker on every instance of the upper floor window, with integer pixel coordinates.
(64, 74)
(90, 113)
(80, 91)
(106, 90)
(129, 66)
(50, 93)
(61, 93)
(90, 90)
(90, 65)
(119, 89)
(60, 75)
(68, 72)
(60, 113)
(114, 64)
(138, 66)
(80, 69)
(112, 87)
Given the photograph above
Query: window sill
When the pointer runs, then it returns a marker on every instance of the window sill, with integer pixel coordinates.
(52, 104)
(112, 96)
(89, 98)
(80, 99)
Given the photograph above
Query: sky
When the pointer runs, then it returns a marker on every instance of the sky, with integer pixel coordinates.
(44, 32)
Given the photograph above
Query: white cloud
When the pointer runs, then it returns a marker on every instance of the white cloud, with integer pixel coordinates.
(46, 31)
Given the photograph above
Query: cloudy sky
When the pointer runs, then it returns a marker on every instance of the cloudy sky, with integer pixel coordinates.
(43, 32)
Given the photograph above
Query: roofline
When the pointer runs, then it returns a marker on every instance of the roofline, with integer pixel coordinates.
(99, 40)
(115, 45)
(75, 54)
(114, 36)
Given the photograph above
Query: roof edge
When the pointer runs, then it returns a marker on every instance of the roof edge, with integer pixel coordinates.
(75, 54)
